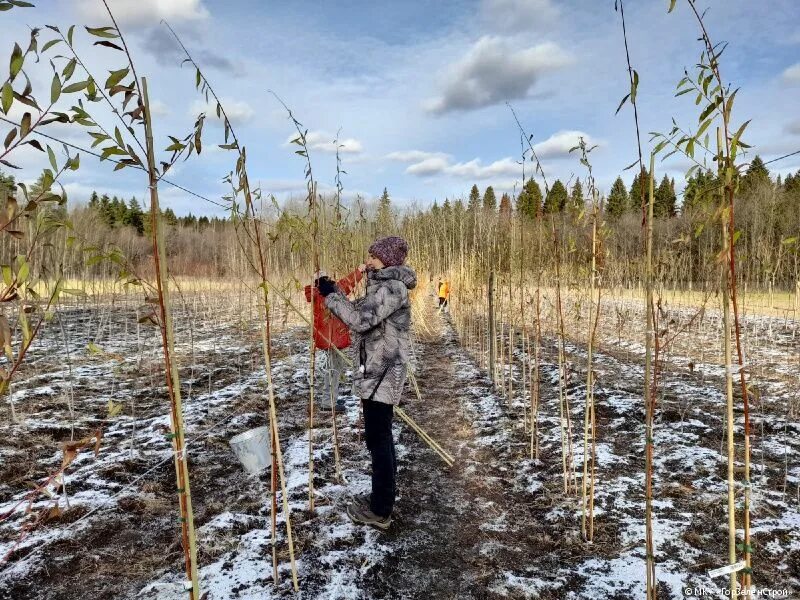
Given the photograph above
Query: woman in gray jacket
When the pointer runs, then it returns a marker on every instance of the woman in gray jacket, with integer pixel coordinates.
(381, 322)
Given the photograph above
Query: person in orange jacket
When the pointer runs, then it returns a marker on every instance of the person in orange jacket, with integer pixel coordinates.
(444, 294)
(330, 335)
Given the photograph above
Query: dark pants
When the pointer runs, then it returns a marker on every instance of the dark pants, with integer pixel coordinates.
(380, 443)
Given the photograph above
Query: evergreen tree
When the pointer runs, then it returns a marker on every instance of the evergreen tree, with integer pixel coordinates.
(94, 201)
(447, 209)
(203, 222)
(557, 199)
(435, 210)
(617, 202)
(474, 199)
(385, 217)
(119, 210)
(188, 221)
(635, 196)
(664, 199)
(458, 209)
(529, 203)
(105, 211)
(791, 184)
(576, 199)
(489, 199)
(134, 217)
(505, 207)
(757, 174)
(169, 217)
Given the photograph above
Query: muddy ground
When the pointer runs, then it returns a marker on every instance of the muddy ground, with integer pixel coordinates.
(495, 525)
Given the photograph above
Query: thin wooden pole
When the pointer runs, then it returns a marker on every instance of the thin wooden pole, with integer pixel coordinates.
(649, 394)
(173, 378)
(492, 332)
(726, 337)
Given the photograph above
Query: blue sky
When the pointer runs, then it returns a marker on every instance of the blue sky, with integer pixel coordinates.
(419, 89)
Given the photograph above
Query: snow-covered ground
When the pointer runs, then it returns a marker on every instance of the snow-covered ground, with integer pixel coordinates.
(497, 524)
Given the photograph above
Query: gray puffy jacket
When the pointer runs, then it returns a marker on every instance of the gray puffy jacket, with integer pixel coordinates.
(381, 322)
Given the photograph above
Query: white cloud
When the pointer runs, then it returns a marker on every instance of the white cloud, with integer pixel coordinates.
(324, 142)
(238, 111)
(429, 164)
(560, 143)
(434, 165)
(793, 127)
(792, 74)
(442, 164)
(414, 155)
(493, 71)
(514, 16)
(144, 12)
(475, 170)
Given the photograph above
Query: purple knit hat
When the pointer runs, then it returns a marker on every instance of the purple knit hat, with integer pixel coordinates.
(391, 251)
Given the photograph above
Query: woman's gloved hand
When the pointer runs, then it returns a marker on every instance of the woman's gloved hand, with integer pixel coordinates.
(326, 286)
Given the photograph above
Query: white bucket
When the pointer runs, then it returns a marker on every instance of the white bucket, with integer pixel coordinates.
(252, 448)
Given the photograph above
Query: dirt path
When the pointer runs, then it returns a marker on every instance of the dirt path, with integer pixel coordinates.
(475, 530)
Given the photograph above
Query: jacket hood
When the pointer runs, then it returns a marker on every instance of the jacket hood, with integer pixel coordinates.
(402, 273)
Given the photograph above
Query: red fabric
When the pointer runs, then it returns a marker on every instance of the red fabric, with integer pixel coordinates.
(328, 330)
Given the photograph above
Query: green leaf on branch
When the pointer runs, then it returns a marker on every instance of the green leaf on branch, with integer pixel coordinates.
(10, 137)
(116, 77)
(25, 126)
(76, 87)
(55, 89)
(621, 102)
(69, 69)
(23, 272)
(660, 146)
(112, 150)
(16, 61)
(735, 143)
(103, 32)
(52, 156)
(7, 96)
(671, 6)
(26, 100)
(50, 44)
(710, 108)
(704, 125)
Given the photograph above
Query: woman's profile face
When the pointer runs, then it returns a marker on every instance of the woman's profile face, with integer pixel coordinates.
(373, 263)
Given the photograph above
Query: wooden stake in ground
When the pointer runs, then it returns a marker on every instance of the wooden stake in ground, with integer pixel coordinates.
(589, 416)
(173, 379)
(726, 337)
(649, 394)
(492, 333)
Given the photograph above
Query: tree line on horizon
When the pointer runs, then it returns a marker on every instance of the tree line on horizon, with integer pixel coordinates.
(768, 216)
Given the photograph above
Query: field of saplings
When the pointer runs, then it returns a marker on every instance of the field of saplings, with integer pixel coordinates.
(597, 402)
